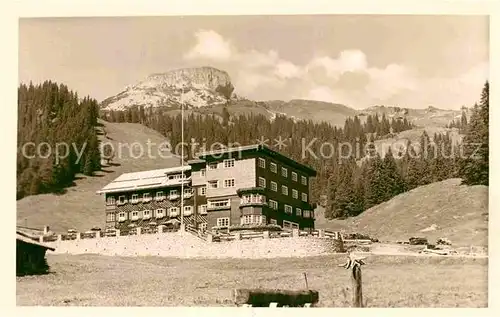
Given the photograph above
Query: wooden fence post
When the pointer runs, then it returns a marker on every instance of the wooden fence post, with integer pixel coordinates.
(354, 263)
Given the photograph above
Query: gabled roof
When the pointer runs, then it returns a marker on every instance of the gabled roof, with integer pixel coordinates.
(257, 148)
(144, 180)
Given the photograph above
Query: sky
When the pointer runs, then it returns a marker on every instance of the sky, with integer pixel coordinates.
(357, 60)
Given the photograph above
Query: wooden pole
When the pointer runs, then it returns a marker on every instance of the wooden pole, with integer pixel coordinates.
(305, 277)
(354, 263)
(357, 296)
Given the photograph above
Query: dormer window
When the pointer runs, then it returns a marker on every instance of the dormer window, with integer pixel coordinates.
(134, 199)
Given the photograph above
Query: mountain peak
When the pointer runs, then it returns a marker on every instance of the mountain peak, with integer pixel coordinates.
(194, 86)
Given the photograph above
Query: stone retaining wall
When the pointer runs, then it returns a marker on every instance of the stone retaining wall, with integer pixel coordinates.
(185, 245)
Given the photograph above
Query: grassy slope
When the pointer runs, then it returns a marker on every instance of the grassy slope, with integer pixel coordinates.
(459, 211)
(80, 207)
(388, 281)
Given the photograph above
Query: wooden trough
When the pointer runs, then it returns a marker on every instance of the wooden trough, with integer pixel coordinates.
(275, 298)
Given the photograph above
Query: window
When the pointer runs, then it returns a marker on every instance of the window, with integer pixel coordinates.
(252, 198)
(262, 162)
(290, 225)
(252, 219)
(110, 217)
(284, 190)
(121, 199)
(223, 222)
(122, 216)
(212, 166)
(229, 182)
(146, 197)
(174, 211)
(203, 226)
(203, 172)
(295, 194)
(146, 214)
(284, 172)
(188, 210)
(262, 182)
(188, 192)
(219, 203)
(274, 167)
(135, 215)
(110, 200)
(203, 190)
(298, 212)
(274, 186)
(294, 176)
(273, 221)
(229, 163)
(288, 209)
(135, 199)
(202, 209)
(213, 184)
(273, 204)
(174, 192)
(303, 180)
(306, 213)
(304, 197)
(160, 213)
(160, 196)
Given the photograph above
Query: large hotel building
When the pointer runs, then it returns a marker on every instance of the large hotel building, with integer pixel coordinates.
(234, 186)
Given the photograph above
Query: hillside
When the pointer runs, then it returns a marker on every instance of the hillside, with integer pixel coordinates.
(430, 117)
(80, 207)
(444, 209)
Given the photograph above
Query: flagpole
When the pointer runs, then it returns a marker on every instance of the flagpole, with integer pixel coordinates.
(182, 158)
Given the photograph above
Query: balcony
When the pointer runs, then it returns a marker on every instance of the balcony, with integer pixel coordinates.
(110, 207)
(159, 198)
(188, 195)
(253, 200)
(218, 207)
(173, 197)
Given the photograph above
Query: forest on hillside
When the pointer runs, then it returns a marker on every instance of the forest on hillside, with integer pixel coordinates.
(350, 183)
(52, 118)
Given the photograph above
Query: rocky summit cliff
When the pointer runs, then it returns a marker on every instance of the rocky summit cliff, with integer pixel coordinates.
(196, 87)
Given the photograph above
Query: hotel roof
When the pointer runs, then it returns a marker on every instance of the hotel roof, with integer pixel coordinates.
(258, 148)
(144, 180)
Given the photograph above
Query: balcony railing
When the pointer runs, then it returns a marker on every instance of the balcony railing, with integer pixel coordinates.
(173, 197)
(220, 207)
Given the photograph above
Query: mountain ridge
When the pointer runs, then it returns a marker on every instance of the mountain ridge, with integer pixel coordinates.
(211, 88)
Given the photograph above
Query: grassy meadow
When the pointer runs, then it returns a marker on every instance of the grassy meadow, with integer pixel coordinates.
(388, 281)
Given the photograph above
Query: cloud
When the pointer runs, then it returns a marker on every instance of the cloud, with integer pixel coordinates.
(210, 45)
(345, 78)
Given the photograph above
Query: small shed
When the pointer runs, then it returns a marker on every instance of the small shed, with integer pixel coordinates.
(30, 255)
